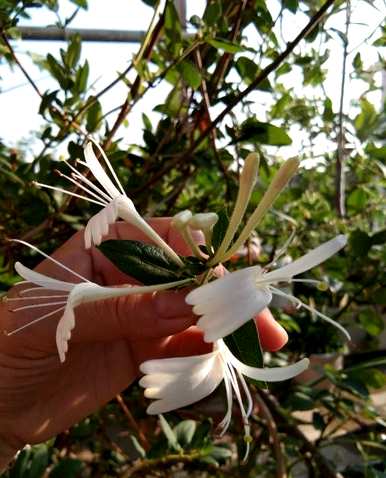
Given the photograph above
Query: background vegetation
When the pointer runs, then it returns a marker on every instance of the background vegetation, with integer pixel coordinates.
(226, 98)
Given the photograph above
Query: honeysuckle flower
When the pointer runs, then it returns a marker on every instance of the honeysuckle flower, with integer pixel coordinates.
(180, 221)
(204, 222)
(74, 294)
(111, 195)
(228, 302)
(178, 382)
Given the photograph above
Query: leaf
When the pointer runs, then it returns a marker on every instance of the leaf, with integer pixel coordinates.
(190, 74)
(220, 229)
(39, 461)
(94, 116)
(145, 262)
(219, 452)
(169, 433)
(360, 243)
(366, 120)
(378, 238)
(73, 52)
(184, 432)
(226, 45)
(141, 451)
(291, 5)
(57, 71)
(20, 468)
(254, 131)
(80, 3)
(248, 71)
(67, 468)
(244, 343)
(357, 199)
(213, 12)
(81, 78)
(371, 321)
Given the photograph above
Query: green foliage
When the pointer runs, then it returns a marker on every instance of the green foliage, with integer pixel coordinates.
(175, 166)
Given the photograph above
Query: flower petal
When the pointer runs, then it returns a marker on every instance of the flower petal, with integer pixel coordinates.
(308, 261)
(185, 388)
(41, 279)
(99, 173)
(274, 374)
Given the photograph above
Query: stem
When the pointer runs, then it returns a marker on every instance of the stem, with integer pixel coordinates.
(134, 425)
(340, 158)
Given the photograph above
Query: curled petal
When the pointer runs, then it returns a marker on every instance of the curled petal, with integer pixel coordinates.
(308, 261)
(274, 374)
(41, 279)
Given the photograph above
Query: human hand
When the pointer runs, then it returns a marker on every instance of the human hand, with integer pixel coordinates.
(40, 397)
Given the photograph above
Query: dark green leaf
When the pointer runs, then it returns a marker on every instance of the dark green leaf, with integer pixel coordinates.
(371, 321)
(39, 461)
(360, 243)
(244, 343)
(212, 13)
(141, 451)
(379, 238)
(80, 3)
(248, 71)
(220, 229)
(145, 262)
(318, 421)
(292, 5)
(67, 468)
(254, 131)
(81, 78)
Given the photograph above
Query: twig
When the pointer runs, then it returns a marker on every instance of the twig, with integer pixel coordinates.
(324, 467)
(340, 157)
(273, 433)
(133, 424)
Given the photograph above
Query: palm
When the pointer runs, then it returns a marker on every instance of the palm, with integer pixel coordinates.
(40, 395)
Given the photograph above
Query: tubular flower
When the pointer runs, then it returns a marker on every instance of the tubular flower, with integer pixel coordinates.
(227, 303)
(177, 382)
(111, 195)
(73, 294)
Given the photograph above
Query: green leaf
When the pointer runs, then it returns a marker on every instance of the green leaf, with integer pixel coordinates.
(39, 461)
(212, 13)
(371, 321)
(244, 343)
(220, 229)
(318, 421)
(73, 52)
(291, 5)
(145, 262)
(366, 120)
(67, 468)
(226, 45)
(253, 131)
(81, 78)
(20, 468)
(184, 432)
(378, 238)
(57, 71)
(379, 296)
(190, 74)
(141, 451)
(360, 243)
(169, 434)
(94, 116)
(219, 452)
(357, 199)
(376, 153)
(80, 3)
(248, 71)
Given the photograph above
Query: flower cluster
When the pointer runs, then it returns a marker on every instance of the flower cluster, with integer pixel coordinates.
(224, 304)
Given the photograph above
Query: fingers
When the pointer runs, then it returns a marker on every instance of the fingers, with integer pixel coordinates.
(136, 317)
(272, 335)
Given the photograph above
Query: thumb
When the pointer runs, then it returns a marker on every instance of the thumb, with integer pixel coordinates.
(133, 317)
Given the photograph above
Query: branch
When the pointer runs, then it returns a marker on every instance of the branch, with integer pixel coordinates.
(259, 79)
(133, 424)
(341, 153)
(273, 433)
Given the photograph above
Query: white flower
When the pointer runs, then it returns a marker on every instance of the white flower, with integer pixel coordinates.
(227, 303)
(177, 382)
(112, 197)
(74, 295)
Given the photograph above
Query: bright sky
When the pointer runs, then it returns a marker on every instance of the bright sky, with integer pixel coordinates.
(19, 104)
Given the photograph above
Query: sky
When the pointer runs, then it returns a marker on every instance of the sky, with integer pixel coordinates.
(20, 104)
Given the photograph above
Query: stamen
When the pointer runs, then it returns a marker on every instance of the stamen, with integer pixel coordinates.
(33, 297)
(8, 334)
(247, 393)
(73, 181)
(106, 160)
(89, 183)
(22, 292)
(34, 248)
(311, 309)
(34, 306)
(68, 192)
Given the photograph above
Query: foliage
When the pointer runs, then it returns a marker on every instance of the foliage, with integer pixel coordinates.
(189, 158)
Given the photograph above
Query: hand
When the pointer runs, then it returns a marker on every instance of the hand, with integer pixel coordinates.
(40, 397)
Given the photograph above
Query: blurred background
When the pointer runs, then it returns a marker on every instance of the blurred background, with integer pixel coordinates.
(178, 93)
